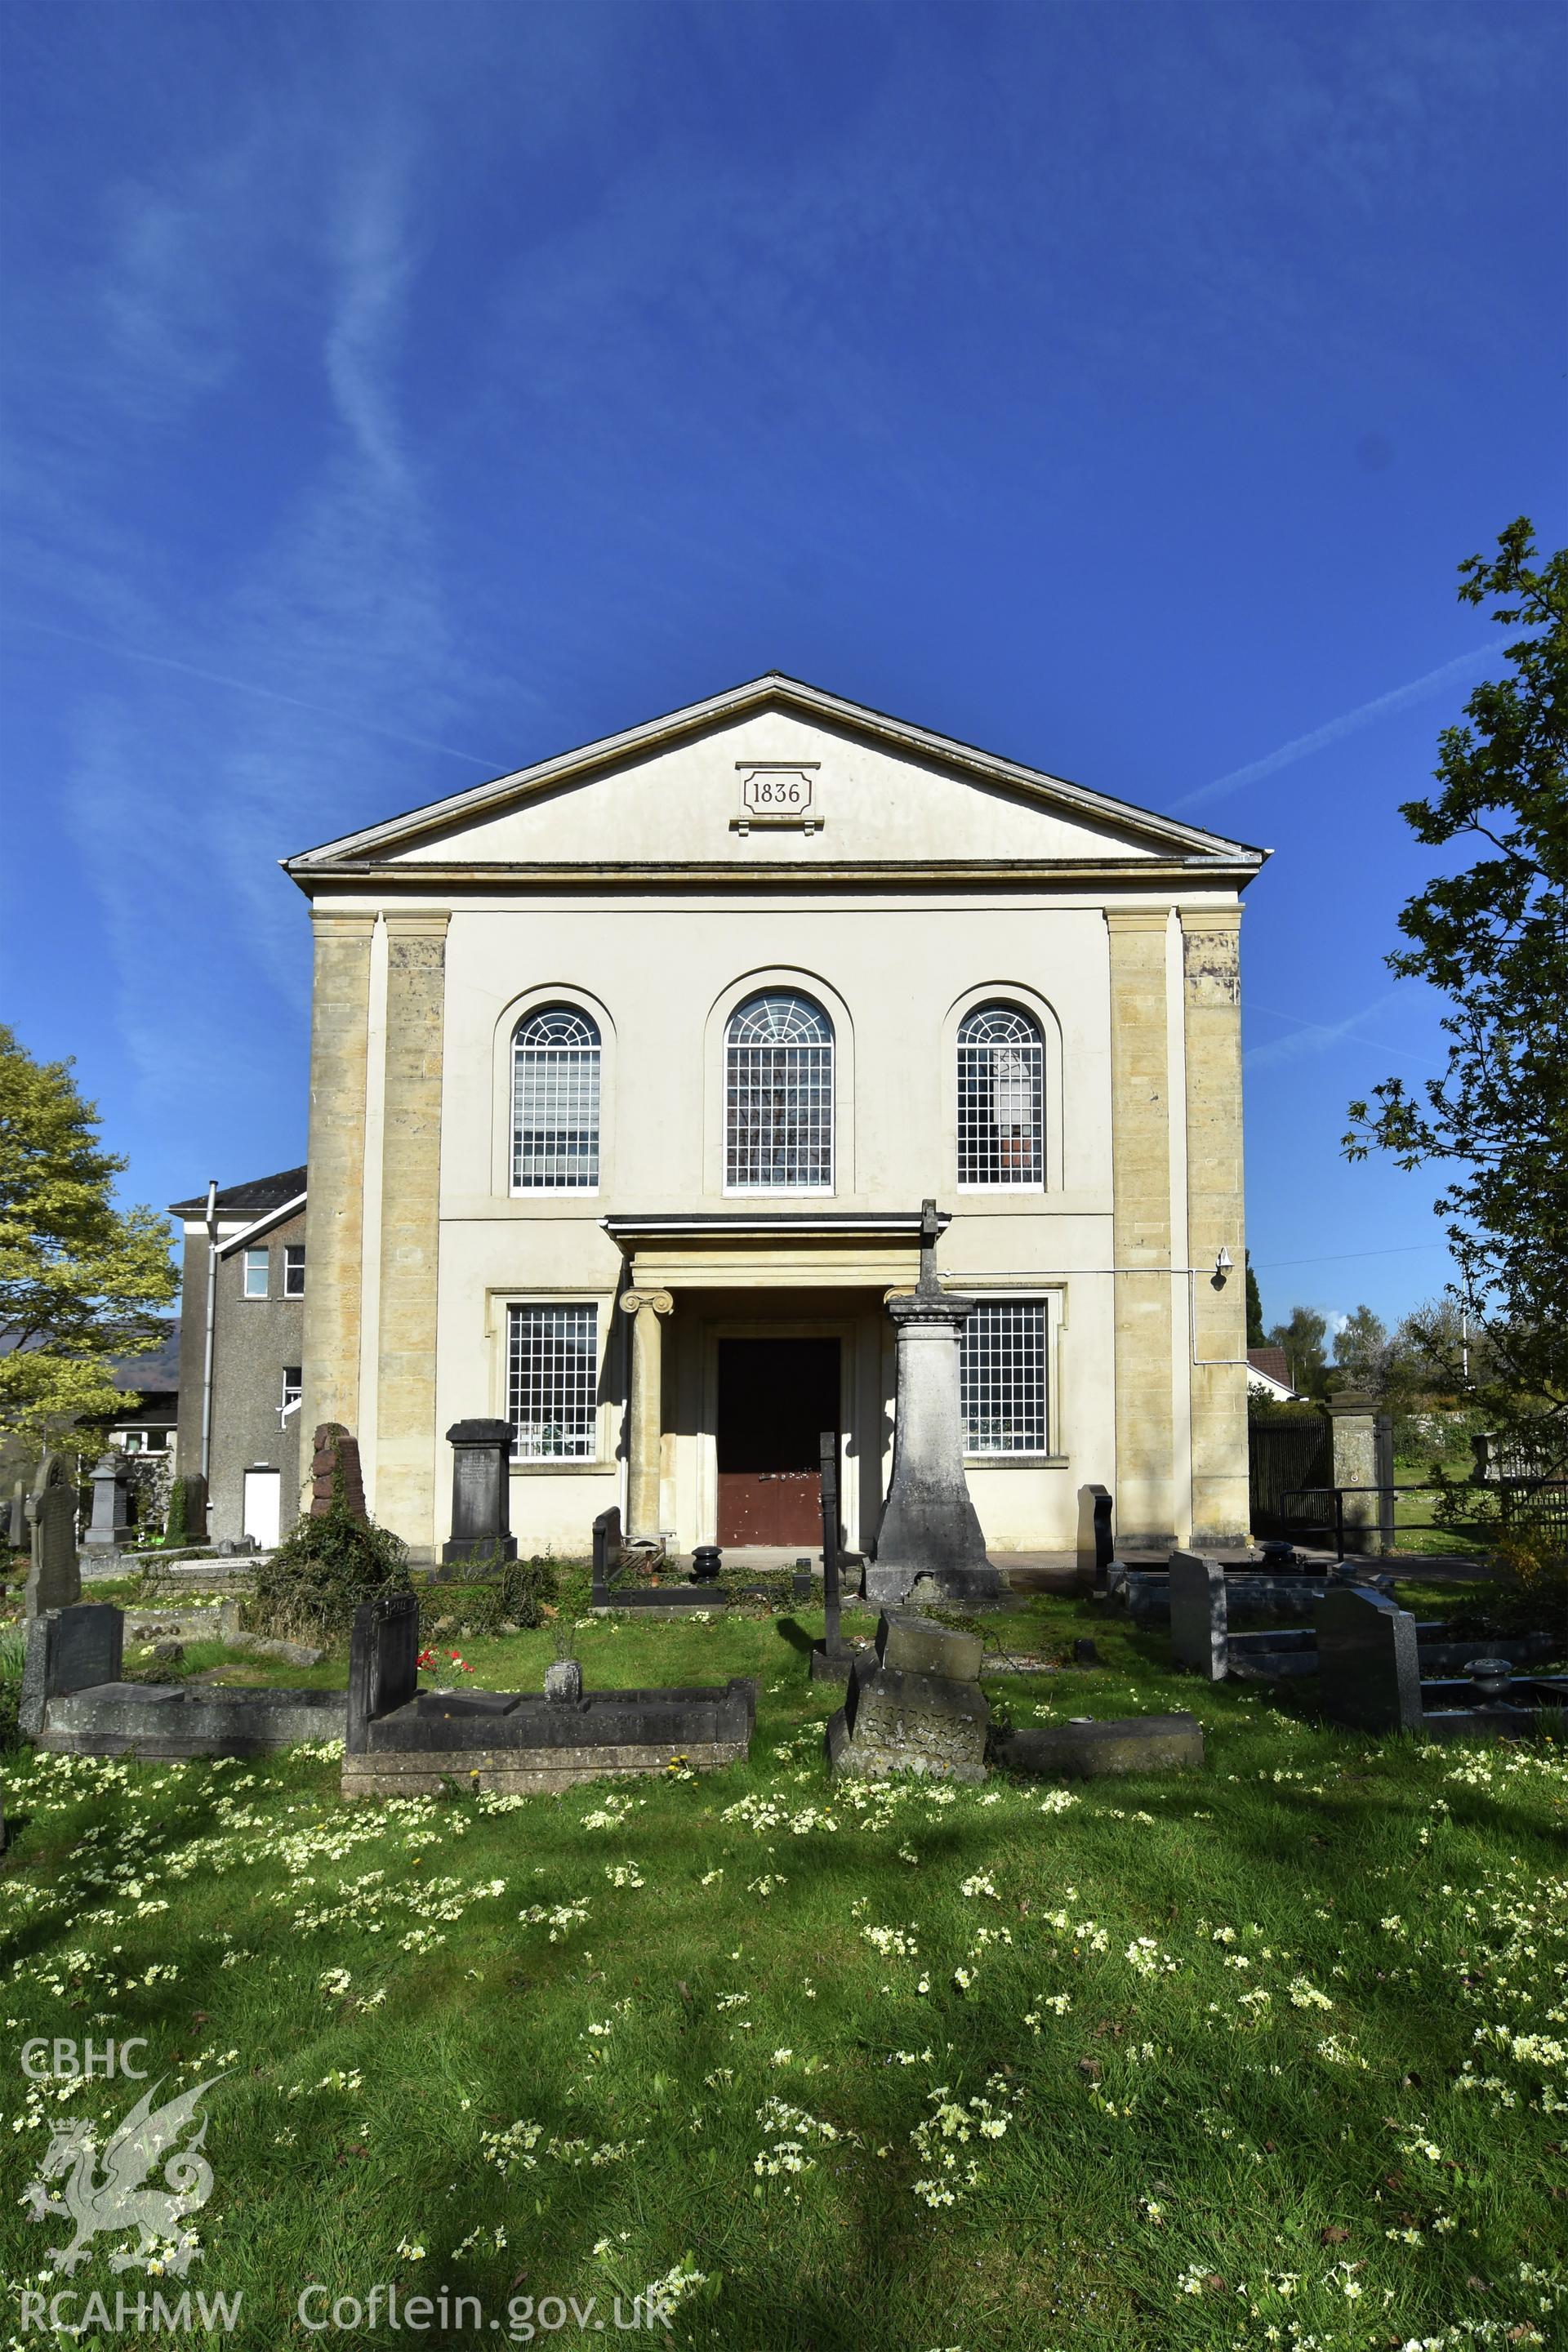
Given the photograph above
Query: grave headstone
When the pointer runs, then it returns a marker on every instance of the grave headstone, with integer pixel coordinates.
(481, 1491)
(1096, 1547)
(110, 1528)
(915, 1706)
(383, 1662)
(928, 1526)
(69, 1650)
(607, 1556)
(334, 1467)
(54, 1579)
(832, 1657)
(17, 1517)
(1368, 1672)
(1200, 1626)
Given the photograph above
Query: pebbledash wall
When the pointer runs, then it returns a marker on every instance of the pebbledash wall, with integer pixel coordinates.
(648, 884)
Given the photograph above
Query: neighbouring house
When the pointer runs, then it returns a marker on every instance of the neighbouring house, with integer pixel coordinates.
(1269, 1375)
(242, 1365)
(630, 1072)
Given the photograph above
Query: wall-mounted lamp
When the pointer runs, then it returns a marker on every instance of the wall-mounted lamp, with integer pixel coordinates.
(1222, 1262)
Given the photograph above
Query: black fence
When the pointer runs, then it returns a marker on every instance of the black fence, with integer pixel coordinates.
(1284, 1458)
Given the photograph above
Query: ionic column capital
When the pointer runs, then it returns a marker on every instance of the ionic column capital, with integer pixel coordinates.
(661, 1301)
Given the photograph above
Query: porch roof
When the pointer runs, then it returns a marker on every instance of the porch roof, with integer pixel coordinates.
(753, 1248)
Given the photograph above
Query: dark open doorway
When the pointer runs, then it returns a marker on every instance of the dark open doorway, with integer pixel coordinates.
(776, 1398)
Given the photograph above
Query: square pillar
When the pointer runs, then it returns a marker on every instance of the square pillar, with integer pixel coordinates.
(1146, 1512)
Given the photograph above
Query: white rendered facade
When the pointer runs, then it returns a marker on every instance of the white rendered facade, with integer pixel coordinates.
(657, 1049)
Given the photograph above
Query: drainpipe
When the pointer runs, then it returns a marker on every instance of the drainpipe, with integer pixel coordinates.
(207, 1352)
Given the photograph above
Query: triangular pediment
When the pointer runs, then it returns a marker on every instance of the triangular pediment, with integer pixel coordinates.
(775, 772)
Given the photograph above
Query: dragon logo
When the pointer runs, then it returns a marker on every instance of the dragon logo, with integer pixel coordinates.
(115, 2199)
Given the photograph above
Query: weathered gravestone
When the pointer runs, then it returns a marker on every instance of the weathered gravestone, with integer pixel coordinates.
(16, 1530)
(928, 1527)
(481, 1460)
(1086, 1748)
(915, 1706)
(1200, 1625)
(335, 1472)
(110, 1528)
(1369, 1672)
(54, 1580)
(832, 1657)
(607, 1556)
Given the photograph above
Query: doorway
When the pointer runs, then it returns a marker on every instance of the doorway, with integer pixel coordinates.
(263, 1495)
(776, 1398)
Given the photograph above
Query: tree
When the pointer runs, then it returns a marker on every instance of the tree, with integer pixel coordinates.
(1493, 938)
(1302, 1339)
(1254, 1308)
(1360, 1349)
(81, 1282)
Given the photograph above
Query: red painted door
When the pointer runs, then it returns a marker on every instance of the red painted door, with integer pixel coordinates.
(776, 1398)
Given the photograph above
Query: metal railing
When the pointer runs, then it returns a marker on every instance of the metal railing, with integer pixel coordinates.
(1385, 1527)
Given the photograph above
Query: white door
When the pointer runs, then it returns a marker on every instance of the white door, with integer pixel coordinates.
(263, 1496)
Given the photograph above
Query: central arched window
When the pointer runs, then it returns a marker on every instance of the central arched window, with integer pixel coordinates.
(778, 1096)
(1001, 1065)
(555, 1102)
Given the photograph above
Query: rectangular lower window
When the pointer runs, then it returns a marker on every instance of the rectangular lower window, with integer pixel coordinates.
(293, 1384)
(553, 1382)
(294, 1270)
(1003, 1378)
(257, 1262)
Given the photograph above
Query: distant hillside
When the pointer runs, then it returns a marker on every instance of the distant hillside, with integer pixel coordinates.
(159, 1369)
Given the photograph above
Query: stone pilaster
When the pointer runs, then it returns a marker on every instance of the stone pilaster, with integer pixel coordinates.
(1215, 1221)
(647, 1309)
(334, 1214)
(410, 1226)
(1140, 1156)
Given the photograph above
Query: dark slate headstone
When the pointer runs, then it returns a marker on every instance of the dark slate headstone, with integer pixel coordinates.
(69, 1650)
(1199, 1616)
(606, 1555)
(481, 1495)
(1095, 1546)
(1368, 1672)
(383, 1669)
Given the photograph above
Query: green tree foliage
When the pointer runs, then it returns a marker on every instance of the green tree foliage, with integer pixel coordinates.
(1302, 1338)
(1254, 1308)
(1492, 936)
(81, 1282)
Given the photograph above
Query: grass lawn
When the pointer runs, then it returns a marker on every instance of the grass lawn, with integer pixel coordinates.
(1270, 2055)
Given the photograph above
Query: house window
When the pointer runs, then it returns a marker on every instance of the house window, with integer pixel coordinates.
(294, 1270)
(1003, 1378)
(1001, 1064)
(293, 1386)
(256, 1273)
(555, 1103)
(778, 1097)
(553, 1382)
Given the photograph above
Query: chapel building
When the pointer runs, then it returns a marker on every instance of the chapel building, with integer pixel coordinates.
(630, 1072)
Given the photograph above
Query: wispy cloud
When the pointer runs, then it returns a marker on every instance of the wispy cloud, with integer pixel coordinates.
(1320, 1036)
(1349, 722)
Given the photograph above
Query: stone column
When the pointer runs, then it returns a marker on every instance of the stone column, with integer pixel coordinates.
(1141, 1162)
(410, 1227)
(1215, 1220)
(646, 1307)
(1352, 1419)
(334, 1212)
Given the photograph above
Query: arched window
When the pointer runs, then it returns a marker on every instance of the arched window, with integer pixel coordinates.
(555, 1102)
(778, 1097)
(1001, 1065)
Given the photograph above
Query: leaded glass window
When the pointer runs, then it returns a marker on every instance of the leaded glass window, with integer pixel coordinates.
(553, 1382)
(1002, 1377)
(1001, 1066)
(778, 1097)
(555, 1102)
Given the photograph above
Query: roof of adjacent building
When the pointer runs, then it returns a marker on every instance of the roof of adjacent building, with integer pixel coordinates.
(252, 1200)
(1273, 1361)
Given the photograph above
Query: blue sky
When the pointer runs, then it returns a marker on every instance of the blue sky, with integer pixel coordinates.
(397, 394)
